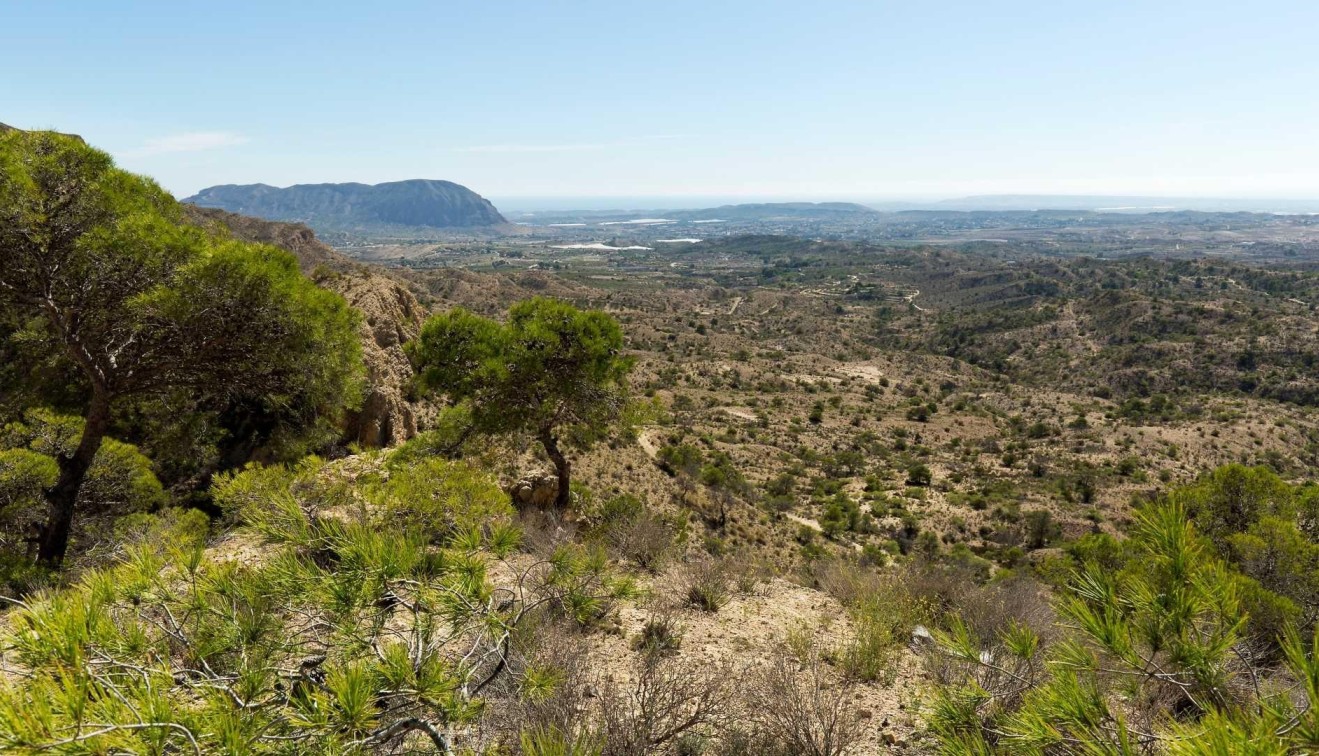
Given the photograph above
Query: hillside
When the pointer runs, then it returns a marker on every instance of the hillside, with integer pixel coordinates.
(813, 496)
(358, 207)
(294, 237)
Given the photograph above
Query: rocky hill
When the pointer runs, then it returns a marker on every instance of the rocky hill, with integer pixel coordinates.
(358, 207)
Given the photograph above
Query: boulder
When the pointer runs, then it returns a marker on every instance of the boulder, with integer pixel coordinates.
(921, 639)
(536, 490)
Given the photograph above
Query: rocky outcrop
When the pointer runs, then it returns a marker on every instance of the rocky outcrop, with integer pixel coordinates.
(536, 490)
(358, 207)
(390, 316)
(292, 237)
(6, 127)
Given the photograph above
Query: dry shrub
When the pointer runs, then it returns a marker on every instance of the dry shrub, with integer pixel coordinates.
(551, 650)
(544, 531)
(646, 540)
(708, 585)
(944, 593)
(1020, 599)
(941, 591)
(796, 708)
(879, 636)
(746, 572)
(849, 582)
(668, 700)
(883, 614)
(662, 634)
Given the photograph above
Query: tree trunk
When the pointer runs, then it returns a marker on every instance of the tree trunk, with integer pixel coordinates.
(63, 496)
(561, 466)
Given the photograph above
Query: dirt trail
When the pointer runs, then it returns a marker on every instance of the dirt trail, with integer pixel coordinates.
(808, 522)
(739, 412)
(868, 373)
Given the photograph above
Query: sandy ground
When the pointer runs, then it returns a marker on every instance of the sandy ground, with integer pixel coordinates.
(752, 628)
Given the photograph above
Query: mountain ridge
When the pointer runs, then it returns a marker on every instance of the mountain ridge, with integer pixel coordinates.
(427, 203)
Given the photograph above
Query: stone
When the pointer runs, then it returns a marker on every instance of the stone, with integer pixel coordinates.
(535, 490)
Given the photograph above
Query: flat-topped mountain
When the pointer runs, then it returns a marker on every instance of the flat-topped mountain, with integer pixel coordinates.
(343, 207)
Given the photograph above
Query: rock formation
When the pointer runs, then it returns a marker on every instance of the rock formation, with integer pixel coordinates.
(390, 316)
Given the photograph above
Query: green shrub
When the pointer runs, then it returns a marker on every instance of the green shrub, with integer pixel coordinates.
(24, 476)
(444, 438)
(554, 742)
(660, 635)
(441, 498)
(351, 627)
(876, 645)
(120, 482)
(270, 498)
(1040, 528)
(708, 586)
(1175, 605)
(680, 459)
(919, 475)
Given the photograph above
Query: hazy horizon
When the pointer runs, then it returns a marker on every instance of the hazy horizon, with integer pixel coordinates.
(605, 203)
(754, 100)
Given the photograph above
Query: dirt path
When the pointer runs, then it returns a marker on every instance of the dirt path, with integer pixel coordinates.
(808, 522)
(739, 412)
(911, 300)
(868, 373)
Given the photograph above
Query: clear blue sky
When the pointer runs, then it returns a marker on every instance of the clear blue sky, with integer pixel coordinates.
(735, 98)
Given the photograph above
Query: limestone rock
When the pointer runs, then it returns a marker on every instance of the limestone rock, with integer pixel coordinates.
(534, 490)
(391, 316)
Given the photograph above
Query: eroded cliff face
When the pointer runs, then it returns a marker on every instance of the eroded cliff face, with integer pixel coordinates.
(390, 316)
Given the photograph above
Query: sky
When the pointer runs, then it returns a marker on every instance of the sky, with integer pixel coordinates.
(733, 98)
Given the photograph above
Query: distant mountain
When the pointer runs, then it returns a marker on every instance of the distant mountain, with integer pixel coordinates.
(1116, 204)
(777, 210)
(747, 212)
(349, 207)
